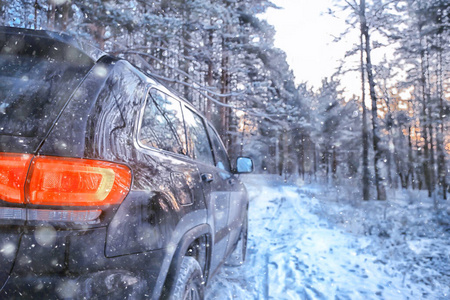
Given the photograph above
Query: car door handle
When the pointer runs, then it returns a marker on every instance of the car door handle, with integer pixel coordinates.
(207, 177)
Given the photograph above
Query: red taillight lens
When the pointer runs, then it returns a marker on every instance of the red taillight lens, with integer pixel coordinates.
(13, 173)
(76, 182)
(62, 181)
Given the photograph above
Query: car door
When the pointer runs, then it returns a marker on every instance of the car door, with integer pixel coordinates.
(163, 167)
(215, 185)
(163, 128)
(235, 189)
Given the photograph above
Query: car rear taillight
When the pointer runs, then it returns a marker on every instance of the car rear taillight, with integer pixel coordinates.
(59, 181)
(76, 182)
(13, 172)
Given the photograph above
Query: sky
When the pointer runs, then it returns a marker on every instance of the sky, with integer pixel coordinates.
(305, 32)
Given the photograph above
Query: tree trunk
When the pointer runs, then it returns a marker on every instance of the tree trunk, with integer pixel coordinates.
(442, 168)
(301, 157)
(424, 121)
(184, 62)
(391, 133)
(378, 162)
(51, 16)
(277, 153)
(432, 164)
(365, 133)
(334, 163)
(36, 4)
(224, 111)
(285, 168)
(411, 168)
(315, 162)
(210, 76)
(62, 16)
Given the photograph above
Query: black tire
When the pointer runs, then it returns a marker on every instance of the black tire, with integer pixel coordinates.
(189, 284)
(237, 257)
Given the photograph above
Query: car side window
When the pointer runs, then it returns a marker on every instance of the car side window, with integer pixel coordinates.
(162, 124)
(198, 142)
(221, 156)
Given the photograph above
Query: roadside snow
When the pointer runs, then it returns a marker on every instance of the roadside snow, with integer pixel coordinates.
(307, 243)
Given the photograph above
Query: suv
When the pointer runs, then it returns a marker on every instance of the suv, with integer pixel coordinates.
(111, 186)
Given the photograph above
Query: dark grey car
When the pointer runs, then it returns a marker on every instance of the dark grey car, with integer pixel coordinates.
(111, 186)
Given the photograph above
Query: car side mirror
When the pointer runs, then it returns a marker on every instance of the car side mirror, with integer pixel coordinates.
(244, 165)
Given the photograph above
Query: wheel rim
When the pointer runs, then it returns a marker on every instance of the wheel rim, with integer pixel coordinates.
(192, 292)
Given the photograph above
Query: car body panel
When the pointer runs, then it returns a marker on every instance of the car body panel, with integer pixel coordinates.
(218, 197)
(10, 240)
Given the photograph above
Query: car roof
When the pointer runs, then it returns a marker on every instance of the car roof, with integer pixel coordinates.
(92, 52)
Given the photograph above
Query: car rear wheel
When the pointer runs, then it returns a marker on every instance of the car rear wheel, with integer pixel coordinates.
(189, 284)
(237, 257)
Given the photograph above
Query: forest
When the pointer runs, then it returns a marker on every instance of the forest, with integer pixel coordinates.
(220, 56)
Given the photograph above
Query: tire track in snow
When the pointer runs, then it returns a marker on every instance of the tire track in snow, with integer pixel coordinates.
(290, 275)
(294, 253)
(273, 231)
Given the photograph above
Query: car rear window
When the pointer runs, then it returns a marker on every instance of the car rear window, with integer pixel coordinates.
(37, 77)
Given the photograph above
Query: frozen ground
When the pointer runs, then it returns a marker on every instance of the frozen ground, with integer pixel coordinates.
(308, 242)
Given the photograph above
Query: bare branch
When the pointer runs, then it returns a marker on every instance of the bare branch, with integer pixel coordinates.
(353, 6)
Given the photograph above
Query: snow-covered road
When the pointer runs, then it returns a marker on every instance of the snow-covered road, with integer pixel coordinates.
(295, 253)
